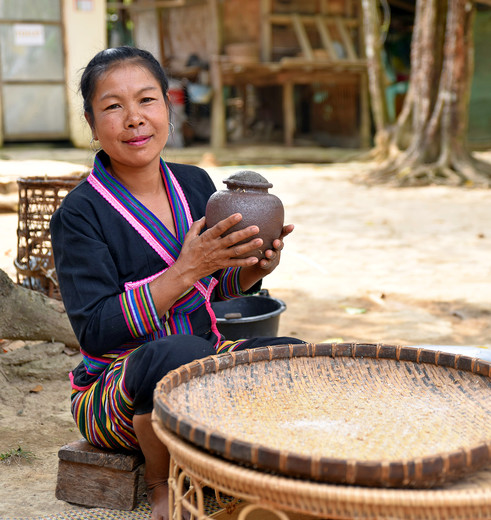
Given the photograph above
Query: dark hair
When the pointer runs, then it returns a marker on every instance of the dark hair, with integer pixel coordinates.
(108, 58)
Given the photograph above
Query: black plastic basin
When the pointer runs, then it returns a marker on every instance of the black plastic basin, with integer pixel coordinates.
(248, 316)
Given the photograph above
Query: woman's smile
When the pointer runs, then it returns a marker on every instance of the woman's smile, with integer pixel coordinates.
(138, 140)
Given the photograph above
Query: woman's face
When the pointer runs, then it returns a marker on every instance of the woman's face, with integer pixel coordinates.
(130, 117)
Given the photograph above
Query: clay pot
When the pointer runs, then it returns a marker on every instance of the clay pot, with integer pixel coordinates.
(248, 195)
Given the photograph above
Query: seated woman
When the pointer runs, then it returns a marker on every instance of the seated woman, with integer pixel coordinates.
(136, 267)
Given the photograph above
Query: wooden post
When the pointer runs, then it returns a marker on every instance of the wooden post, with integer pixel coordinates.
(218, 123)
(365, 120)
(216, 27)
(266, 31)
(162, 29)
(289, 112)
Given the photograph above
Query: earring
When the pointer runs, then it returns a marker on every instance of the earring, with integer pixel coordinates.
(171, 128)
(93, 146)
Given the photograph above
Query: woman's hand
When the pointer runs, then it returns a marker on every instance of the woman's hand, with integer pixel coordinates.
(249, 275)
(204, 252)
(273, 255)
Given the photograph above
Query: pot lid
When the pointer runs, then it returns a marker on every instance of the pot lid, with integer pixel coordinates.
(247, 179)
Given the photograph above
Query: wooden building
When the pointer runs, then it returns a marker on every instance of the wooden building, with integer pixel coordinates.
(291, 71)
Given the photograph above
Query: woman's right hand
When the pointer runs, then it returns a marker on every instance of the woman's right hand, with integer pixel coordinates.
(204, 252)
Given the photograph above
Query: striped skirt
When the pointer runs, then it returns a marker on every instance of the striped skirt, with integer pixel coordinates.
(104, 412)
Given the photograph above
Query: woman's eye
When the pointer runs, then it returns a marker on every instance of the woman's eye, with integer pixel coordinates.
(147, 99)
(112, 107)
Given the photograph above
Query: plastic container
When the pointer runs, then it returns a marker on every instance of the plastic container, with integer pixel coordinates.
(249, 316)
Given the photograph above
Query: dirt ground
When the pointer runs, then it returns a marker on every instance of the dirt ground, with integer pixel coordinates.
(364, 264)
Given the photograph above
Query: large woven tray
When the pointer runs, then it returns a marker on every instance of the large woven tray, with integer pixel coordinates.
(374, 415)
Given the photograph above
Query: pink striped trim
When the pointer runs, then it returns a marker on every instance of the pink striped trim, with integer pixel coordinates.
(114, 202)
(141, 313)
(133, 285)
(109, 197)
(128, 324)
(184, 201)
(75, 387)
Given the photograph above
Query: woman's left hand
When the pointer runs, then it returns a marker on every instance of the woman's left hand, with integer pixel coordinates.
(273, 255)
(252, 274)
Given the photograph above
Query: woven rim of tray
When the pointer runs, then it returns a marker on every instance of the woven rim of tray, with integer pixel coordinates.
(420, 472)
(462, 501)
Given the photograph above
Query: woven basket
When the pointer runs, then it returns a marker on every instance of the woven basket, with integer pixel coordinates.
(373, 415)
(469, 498)
(39, 197)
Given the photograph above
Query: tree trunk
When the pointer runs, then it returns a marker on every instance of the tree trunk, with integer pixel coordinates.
(30, 315)
(376, 76)
(371, 29)
(428, 144)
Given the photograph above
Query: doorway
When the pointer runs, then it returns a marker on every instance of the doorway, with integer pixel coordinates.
(32, 67)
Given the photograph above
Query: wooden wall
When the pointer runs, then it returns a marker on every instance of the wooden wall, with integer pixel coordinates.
(186, 32)
(241, 21)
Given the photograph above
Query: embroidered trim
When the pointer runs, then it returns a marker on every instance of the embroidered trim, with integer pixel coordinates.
(178, 201)
(139, 311)
(138, 283)
(119, 207)
(229, 286)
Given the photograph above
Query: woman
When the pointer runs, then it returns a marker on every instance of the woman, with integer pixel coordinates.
(136, 267)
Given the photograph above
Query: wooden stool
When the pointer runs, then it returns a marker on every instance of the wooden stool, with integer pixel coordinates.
(92, 477)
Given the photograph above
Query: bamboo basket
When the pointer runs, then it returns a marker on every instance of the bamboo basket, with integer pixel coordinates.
(274, 497)
(370, 415)
(39, 197)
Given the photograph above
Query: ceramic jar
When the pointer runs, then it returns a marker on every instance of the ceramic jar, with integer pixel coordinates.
(247, 194)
